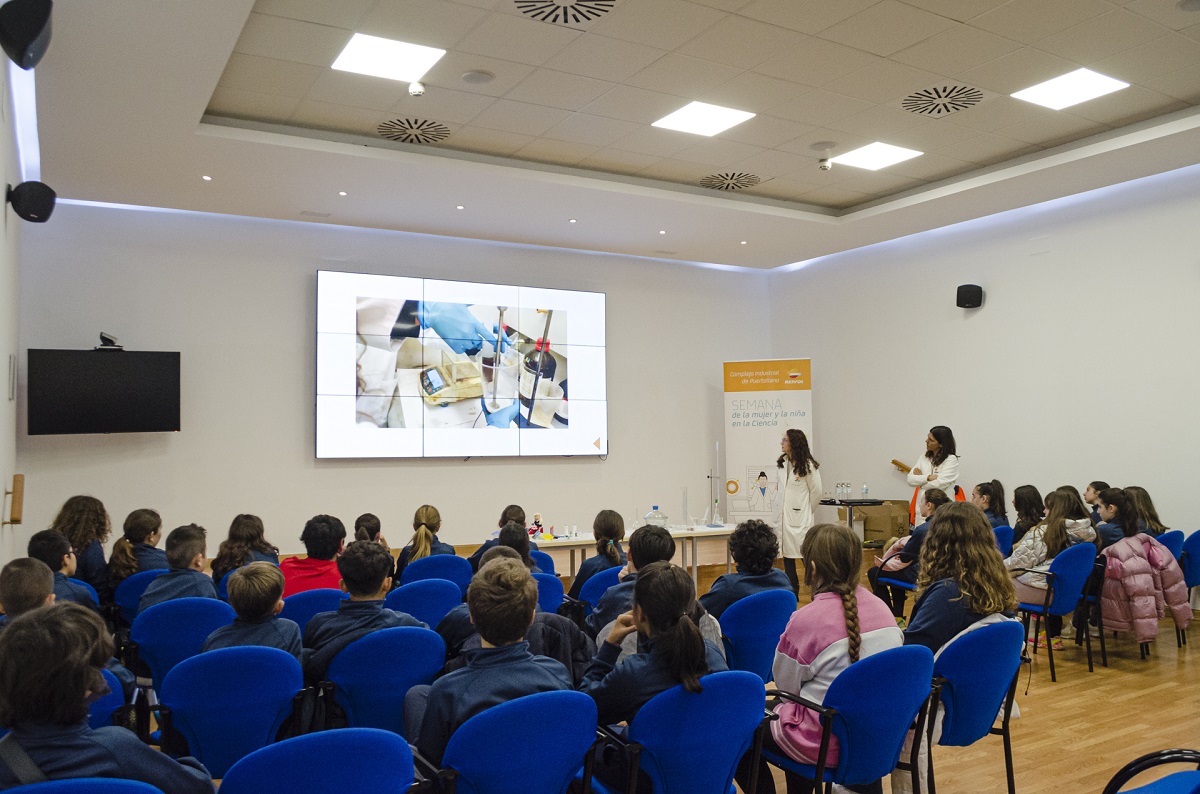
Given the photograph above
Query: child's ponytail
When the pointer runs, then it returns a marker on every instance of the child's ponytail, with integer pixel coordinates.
(139, 525)
(426, 522)
(665, 593)
(853, 635)
(609, 529)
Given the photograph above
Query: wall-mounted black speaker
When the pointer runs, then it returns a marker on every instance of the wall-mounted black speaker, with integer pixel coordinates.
(25, 30)
(970, 296)
(32, 201)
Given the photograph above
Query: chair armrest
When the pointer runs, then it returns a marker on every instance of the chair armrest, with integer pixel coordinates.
(1043, 571)
(803, 701)
(1141, 764)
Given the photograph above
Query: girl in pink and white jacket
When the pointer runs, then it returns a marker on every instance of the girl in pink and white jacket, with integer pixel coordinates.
(844, 622)
(1141, 581)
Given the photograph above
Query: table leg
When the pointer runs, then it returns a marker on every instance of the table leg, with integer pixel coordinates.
(572, 563)
(695, 565)
(850, 516)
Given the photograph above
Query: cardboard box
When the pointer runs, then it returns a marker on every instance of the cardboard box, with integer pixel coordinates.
(880, 522)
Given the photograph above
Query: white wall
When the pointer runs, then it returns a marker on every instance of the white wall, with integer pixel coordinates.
(236, 296)
(1080, 365)
(10, 240)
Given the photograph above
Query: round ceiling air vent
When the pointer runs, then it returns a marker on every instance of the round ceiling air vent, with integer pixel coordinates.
(730, 181)
(565, 12)
(413, 131)
(942, 100)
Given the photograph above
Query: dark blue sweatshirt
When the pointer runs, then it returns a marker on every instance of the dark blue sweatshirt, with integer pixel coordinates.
(592, 566)
(91, 567)
(177, 583)
(1109, 533)
(66, 590)
(939, 614)
(437, 547)
(329, 632)
(616, 601)
(734, 587)
(478, 555)
(271, 632)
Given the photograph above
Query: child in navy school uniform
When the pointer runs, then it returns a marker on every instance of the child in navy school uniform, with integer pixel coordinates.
(186, 578)
(512, 513)
(754, 547)
(25, 585)
(364, 567)
(52, 547)
(426, 523)
(246, 543)
(86, 524)
(256, 594)
(137, 550)
(1117, 511)
(646, 545)
(1091, 495)
(609, 530)
(502, 600)
(989, 497)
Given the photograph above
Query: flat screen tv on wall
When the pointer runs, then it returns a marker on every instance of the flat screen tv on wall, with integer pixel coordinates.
(102, 391)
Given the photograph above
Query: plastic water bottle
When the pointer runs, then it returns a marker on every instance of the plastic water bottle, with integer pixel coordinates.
(656, 517)
(865, 491)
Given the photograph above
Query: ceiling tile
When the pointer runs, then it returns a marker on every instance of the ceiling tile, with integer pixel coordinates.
(879, 123)
(291, 40)
(518, 117)
(741, 42)
(688, 173)
(815, 62)
(1127, 106)
(604, 58)
(657, 23)
(806, 16)
(617, 161)
(1152, 60)
(655, 141)
(342, 14)
(783, 189)
(774, 163)
(443, 105)
(1192, 33)
(1018, 70)
(1029, 20)
(269, 76)
(982, 148)
(955, 50)
(718, 153)
(721, 5)
(1184, 84)
(495, 142)
(594, 130)
(543, 150)
(1164, 12)
(881, 182)
(682, 76)
(1101, 36)
(239, 104)
(1011, 157)
(887, 27)
(487, 5)
(883, 81)
(511, 38)
(559, 89)
(843, 142)
(356, 90)
(932, 167)
(427, 22)
(834, 197)
(448, 72)
(765, 131)
(754, 92)
(340, 118)
(819, 108)
(931, 135)
(635, 104)
(993, 114)
(961, 10)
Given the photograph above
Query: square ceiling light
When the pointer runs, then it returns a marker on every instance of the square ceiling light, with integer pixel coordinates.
(1070, 89)
(876, 155)
(395, 60)
(700, 118)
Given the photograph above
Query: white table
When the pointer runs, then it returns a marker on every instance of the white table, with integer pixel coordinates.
(685, 537)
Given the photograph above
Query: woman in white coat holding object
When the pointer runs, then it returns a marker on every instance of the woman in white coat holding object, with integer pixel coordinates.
(801, 494)
(937, 468)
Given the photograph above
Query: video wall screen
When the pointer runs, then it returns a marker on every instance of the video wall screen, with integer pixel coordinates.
(411, 367)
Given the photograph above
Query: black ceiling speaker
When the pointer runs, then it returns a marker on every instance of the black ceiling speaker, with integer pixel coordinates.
(25, 30)
(970, 296)
(32, 201)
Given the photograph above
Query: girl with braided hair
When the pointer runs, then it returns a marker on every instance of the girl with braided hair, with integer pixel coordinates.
(844, 623)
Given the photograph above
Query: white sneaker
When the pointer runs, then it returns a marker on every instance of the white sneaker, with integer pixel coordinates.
(1068, 632)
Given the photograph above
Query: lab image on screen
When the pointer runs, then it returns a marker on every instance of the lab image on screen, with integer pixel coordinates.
(411, 367)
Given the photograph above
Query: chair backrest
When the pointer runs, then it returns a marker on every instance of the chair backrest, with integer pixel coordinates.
(89, 785)
(175, 630)
(302, 606)
(550, 592)
(129, 593)
(491, 757)
(96, 597)
(1071, 569)
(223, 586)
(752, 627)
(230, 702)
(1004, 539)
(692, 741)
(871, 722)
(309, 764)
(542, 560)
(1191, 559)
(1173, 540)
(594, 588)
(427, 600)
(101, 711)
(373, 674)
(439, 566)
(978, 668)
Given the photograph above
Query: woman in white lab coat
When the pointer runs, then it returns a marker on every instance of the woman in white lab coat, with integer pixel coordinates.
(801, 488)
(937, 468)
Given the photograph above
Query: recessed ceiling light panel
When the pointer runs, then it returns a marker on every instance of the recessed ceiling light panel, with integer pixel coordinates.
(876, 155)
(395, 60)
(1070, 89)
(701, 118)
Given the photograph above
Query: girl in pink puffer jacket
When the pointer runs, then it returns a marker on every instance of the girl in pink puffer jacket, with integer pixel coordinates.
(1142, 579)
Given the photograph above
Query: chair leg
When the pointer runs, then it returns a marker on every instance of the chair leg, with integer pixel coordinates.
(1008, 760)
(1088, 644)
(1050, 656)
(1100, 625)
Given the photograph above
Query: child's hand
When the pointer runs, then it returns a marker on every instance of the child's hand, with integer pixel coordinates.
(622, 628)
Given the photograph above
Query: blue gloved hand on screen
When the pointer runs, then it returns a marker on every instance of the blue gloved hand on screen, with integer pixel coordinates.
(501, 417)
(457, 327)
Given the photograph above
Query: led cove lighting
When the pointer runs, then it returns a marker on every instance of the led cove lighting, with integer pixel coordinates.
(876, 155)
(1070, 89)
(700, 118)
(394, 60)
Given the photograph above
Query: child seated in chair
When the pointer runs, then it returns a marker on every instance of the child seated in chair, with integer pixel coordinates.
(754, 547)
(25, 585)
(364, 567)
(901, 561)
(647, 545)
(502, 599)
(323, 538)
(256, 594)
(50, 661)
(186, 578)
(52, 547)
